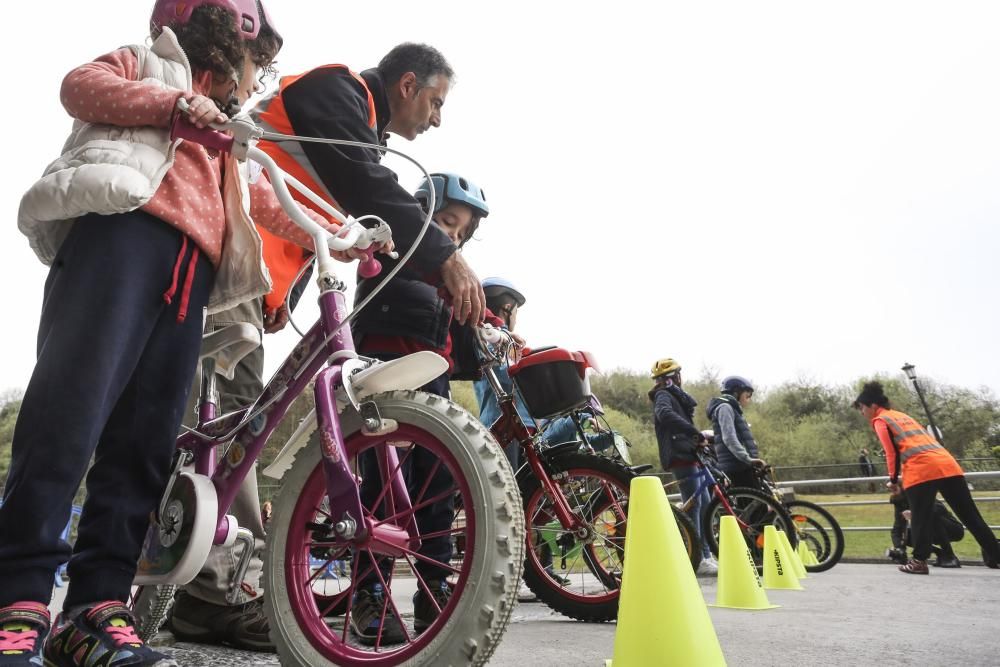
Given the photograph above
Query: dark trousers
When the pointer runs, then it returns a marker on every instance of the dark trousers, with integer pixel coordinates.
(956, 493)
(744, 477)
(111, 380)
(436, 517)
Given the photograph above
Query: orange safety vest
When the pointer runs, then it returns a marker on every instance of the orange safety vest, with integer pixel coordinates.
(284, 258)
(921, 456)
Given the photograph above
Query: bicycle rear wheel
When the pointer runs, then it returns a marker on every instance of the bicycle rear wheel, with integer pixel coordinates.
(578, 575)
(753, 510)
(150, 605)
(820, 531)
(305, 624)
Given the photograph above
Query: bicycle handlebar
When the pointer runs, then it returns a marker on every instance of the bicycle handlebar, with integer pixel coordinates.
(238, 138)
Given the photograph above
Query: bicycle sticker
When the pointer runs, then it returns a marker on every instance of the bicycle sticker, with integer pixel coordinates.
(236, 454)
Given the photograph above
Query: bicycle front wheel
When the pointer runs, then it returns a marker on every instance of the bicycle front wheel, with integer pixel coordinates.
(578, 574)
(821, 533)
(311, 623)
(753, 510)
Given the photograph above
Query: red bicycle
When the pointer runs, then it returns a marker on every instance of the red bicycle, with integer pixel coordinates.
(575, 501)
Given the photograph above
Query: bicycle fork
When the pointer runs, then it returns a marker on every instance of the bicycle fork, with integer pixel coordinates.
(346, 511)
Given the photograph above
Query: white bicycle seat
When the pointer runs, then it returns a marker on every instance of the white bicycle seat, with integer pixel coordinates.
(229, 345)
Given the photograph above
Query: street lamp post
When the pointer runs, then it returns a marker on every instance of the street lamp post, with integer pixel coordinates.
(911, 373)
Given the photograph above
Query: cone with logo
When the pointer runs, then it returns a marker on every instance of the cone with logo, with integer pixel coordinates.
(793, 555)
(779, 573)
(806, 554)
(739, 585)
(662, 617)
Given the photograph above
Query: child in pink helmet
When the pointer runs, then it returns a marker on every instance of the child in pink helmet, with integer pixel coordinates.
(141, 234)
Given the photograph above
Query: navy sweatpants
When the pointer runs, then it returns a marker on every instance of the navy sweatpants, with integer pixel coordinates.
(111, 380)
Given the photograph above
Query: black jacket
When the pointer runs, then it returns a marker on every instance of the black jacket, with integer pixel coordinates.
(673, 419)
(329, 102)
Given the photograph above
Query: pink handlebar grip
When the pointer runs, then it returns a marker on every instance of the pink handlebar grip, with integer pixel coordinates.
(182, 128)
(371, 267)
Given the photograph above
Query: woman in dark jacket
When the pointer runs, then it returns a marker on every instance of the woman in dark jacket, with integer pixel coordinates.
(678, 439)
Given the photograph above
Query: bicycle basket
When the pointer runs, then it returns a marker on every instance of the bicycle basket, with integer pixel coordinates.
(553, 381)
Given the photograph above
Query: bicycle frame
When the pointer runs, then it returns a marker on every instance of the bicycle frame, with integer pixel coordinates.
(706, 480)
(509, 427)
(327, 339)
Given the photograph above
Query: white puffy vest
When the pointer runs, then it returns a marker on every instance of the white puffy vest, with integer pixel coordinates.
(109, 169)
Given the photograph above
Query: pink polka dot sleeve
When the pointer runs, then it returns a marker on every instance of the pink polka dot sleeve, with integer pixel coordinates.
(266, 211)
(107, 91)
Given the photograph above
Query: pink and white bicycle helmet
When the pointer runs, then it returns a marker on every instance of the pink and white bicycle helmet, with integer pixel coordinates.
(248, 14)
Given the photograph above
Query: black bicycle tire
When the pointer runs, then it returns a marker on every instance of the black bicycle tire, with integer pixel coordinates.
(708, 524)
(542, 585)
(837, 551)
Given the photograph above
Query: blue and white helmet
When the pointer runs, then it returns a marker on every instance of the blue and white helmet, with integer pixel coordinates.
(494, 287)
(452, 188)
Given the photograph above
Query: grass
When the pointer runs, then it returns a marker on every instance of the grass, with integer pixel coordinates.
(872, 544)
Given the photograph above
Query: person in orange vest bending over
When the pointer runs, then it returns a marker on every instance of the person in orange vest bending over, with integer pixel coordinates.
(926, 469)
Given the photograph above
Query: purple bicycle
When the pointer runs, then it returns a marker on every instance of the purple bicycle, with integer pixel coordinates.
(319, 518)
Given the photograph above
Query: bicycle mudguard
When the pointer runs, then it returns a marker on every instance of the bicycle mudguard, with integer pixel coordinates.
(410, 372)
(550, 454)
(176, 548)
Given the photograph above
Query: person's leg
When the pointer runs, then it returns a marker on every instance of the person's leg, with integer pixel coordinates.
(103, 297)
(202, 612)
(921, 499)
(132, 460)
(688, 479)
(743, 477)
(955, 491)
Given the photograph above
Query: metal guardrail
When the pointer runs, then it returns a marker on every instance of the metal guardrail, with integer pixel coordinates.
(847, 481)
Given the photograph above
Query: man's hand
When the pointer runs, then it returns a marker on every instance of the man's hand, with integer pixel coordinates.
(275, 321)
(467, 296)
(758, 463)
(893, 487)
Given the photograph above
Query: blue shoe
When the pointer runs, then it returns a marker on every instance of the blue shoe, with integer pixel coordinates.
(23, 626)
(373, 621)
(101, 636)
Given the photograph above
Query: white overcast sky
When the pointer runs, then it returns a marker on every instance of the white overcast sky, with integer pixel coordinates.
(774, 189)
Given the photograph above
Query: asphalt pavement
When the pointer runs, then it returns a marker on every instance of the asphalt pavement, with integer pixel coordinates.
(855, 614)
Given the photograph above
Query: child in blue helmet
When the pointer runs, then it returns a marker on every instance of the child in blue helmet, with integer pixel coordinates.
(504, 300)
(410, 314)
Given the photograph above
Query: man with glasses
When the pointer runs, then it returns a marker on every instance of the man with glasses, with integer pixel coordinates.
(403, 95)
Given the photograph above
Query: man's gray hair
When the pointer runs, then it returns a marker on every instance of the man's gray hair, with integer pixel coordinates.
(424, 61)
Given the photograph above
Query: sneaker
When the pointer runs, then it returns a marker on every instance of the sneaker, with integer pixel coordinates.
(947, 562)
(240, 626)
(915, 567)
(561, 580)
(424, 610)
(525, 594)
(101, 635)
(22, 630)
(367, 617)
(708, 567)
(897, 555)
